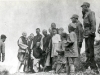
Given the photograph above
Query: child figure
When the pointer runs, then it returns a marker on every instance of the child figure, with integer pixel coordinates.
(71, 51)
(61, 60)
(55, 46)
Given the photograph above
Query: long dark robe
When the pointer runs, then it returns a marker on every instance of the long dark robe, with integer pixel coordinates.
(30, 61)
(46, 41)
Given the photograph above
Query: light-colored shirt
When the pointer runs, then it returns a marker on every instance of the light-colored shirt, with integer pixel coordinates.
(21, 45)
(56, 38)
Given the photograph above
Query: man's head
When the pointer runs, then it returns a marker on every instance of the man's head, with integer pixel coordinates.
(50, 30)
(44, 32)
(54, 31)
(74, 18)
(85, 6)
(64, 36)
(38, 30)
(3, 37)
(24, 34)
(31, 36)
(53, 25)
(60, 30)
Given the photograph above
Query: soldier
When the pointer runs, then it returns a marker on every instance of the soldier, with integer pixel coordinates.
(89, 22)
(78, 30)
(2, 47)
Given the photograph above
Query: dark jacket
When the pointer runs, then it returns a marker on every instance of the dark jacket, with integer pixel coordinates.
(78, 28)
(89, 23)
(36, 39)
(79, 31)
(46, 41)
(37, 52)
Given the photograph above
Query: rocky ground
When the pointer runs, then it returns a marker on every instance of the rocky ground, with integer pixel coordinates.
(79, 70)
(48, 73)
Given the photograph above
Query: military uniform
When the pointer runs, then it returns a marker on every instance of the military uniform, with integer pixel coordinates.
(79, 33)
(78, 30)
(89, 23)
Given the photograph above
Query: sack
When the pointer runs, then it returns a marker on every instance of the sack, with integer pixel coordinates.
(37, 52)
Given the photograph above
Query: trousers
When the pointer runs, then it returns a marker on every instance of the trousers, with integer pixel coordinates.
(3, 57)
(89, 49)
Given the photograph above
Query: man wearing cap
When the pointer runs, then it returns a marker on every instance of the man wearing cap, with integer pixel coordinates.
(89, 23)
(78, 30)
(2, 47)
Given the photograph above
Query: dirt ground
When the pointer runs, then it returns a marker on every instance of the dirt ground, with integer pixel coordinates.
(40, 73)
(47, 73)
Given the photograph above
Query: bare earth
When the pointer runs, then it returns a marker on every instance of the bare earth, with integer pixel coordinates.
(40, 73)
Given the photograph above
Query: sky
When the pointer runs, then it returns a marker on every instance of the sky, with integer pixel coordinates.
(18, 16)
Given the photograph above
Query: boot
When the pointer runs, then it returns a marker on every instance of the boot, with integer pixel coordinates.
(3, 57)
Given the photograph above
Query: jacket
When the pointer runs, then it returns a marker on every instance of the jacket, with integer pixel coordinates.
(89, 22)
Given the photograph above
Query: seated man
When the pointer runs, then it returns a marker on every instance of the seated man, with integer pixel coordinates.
(36, 56)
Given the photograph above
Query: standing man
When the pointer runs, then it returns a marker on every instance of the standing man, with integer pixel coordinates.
(23, 51)
(2, 47)
(78, 30)
(37, 38)
(46, 40)
(89, 22)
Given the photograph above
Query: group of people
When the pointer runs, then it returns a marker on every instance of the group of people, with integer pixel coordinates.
(58, 49)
